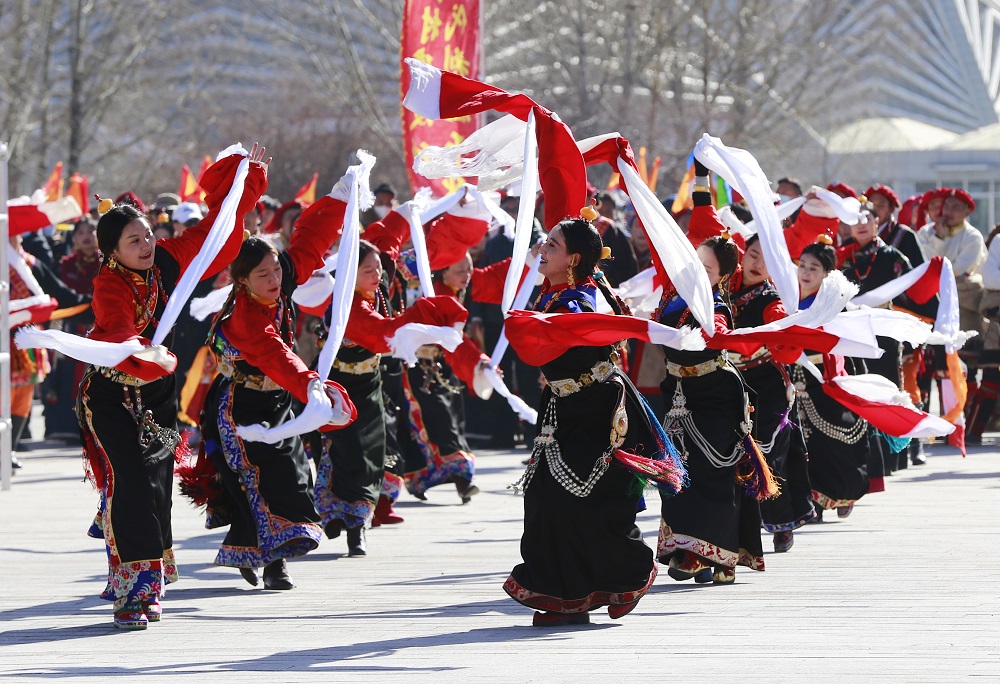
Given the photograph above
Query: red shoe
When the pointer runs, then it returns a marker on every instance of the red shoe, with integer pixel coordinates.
(553, 619)
(384, 513)
(152, 609)
(131, 617)
(621, 610)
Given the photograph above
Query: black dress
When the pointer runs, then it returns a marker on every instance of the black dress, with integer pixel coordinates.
(581, 547)
(713, 518)
(870, 267)
(780, 438)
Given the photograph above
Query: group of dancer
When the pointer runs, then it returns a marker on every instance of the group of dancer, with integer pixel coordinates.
(728, 458)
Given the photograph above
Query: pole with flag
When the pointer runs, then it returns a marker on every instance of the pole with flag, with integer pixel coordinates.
(307, 193)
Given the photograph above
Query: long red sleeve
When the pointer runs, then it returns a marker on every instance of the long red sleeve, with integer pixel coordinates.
(371, 330)
(465, 359)
(114, 321)
(450, 237)
(252, 330)
(217, 181)
(806, 229)
(775, 311)
(486, 286)
(389, 234)
(316, 229)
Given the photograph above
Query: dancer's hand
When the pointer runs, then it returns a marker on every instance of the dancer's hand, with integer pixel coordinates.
(257, 156)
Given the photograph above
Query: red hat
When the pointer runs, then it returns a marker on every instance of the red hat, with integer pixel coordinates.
(885, 191)
(909, 211)
(843, 189)
(131, 198)
(960, 194)
(274, 225)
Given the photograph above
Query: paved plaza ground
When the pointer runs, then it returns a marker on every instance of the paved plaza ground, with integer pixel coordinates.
(905, 590)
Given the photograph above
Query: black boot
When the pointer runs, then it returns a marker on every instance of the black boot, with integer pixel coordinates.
(356, 545)
(917, 456)
(276, 576)
(17, 424)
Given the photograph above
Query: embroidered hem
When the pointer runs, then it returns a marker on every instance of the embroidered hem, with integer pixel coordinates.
(253, 557)
(667, 543)
(594, 600)
(795, 524)
(440, 470)
(827, 503)
(392, 485)
(329, 507)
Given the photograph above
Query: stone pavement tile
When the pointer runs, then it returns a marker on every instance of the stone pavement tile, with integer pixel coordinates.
(905, 590)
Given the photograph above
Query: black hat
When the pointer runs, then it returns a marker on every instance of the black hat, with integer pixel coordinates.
(384, 188)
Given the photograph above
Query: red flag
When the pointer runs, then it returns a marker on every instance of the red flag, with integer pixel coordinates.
(205, 163)
(307, 193)
(79, 189)
(188, 190)
(447, 37)
(54, 185)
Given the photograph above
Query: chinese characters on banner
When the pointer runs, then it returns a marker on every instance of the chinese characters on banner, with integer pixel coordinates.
(444, 33)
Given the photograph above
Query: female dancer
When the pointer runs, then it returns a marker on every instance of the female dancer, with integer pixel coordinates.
(871, 263)
(351, 468)
(267, 487)
(756, 302)
(127, 413)
(713, 525)
(836, 438)
(581, 547)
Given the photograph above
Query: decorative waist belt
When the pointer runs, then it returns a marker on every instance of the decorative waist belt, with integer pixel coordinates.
(118, 376)
(758, 358)
(430, 352)
(261, 383)
(601, 371)
(816, 358)
(359, 367)
(704, 368)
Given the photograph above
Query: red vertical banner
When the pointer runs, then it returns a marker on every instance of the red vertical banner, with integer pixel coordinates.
(445, 34)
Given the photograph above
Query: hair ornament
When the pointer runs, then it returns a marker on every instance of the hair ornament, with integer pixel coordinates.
(589, 212)
(103, 205)
(163, 218)
(605, 253)
(725, 235)
(824, 239)
(862, 198)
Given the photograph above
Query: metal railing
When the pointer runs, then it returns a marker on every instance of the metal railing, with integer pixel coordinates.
(5, 422)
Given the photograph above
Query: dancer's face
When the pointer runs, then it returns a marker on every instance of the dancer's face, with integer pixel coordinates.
(136, 246)
(811, 274)
(264, 280)
(754, 268)
(369, 273)
(553, 260)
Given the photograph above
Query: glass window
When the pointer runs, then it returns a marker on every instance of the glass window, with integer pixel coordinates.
(980, 188)
(923, 186)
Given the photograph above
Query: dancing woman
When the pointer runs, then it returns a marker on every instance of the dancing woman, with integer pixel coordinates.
(713, 525)
(581, 547)
(755, 302)
(128, 412)
(352, 463)
(836, 439)
(267, 495)
(871, 263)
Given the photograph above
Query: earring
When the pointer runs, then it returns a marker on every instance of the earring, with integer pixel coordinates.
(569, 276)
(112, 262)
